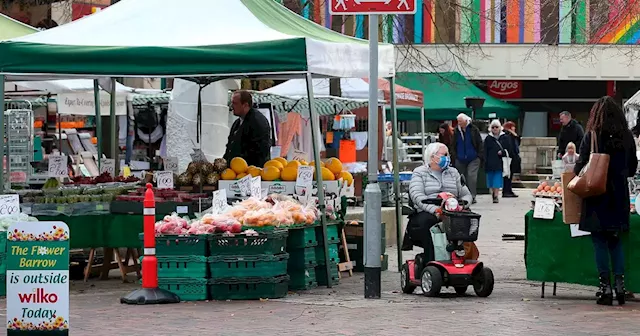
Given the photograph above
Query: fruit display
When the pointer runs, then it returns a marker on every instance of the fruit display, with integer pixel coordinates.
(102, 178)
(75, 194)
(161, 195)
(201, 173)
(548, 188)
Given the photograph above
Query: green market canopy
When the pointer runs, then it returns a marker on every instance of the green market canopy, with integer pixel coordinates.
(203, 37)
(444, 96)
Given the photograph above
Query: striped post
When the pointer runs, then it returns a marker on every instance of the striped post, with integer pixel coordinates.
(149, 261)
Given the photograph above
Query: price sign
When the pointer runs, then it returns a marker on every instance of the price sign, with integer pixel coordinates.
(58, 166)
(245, 185)
(108, 166)
(219, 201)
(276, 151)
(305, 176)
(171, 164)
(9, 204)
(256, 187)
(164, 179)
(198, 155)
(544, 208)
(298, 155)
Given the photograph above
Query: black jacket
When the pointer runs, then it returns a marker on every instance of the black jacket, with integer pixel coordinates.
(250, 139)
(476, 141)
(493, 160)
(511, 144)
(609, 211)
(572, 132)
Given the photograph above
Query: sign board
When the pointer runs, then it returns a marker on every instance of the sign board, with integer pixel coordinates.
(342, 7)
(297, 155)
(544, 208)
(58, 166)
(84, 104)
(9, 204)
(256, 188)
(198, 155)
(164, 179)
(171, 164)
(505, 89)
(305, 176)
(108, 166)
(245, 185)
(38, 278)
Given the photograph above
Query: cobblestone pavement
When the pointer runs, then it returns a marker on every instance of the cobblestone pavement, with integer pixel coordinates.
(514, 308)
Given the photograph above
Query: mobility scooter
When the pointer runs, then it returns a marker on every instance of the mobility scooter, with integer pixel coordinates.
(460, 225)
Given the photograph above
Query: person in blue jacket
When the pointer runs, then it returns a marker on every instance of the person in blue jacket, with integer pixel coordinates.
(493, 153)
(467, 151)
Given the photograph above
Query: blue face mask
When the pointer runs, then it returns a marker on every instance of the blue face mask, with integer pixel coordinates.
(444, 162)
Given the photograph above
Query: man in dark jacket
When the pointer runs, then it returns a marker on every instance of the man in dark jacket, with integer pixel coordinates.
(249, 137)
(571, 131)
(468, 151)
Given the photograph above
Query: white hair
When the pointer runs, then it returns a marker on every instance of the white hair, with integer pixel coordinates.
(433, 149)
(496, 122)
(464, 116)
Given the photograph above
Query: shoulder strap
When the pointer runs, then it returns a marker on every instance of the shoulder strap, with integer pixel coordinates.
(594, 142)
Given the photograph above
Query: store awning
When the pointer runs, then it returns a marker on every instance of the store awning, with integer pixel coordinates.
(444, 95)
(10, 28)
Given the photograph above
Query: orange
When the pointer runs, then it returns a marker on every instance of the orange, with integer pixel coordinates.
(228, 174)
(327, 175)
(274, 163)
(304, 163)
(294, 163)
(241, 175)
(313, 164)
(282, 160)
(289, 173)
(346, 177)
(254, 171)
(239, 165)
(270, 173)
(334, 165)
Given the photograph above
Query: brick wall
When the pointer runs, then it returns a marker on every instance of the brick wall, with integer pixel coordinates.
(533, 152)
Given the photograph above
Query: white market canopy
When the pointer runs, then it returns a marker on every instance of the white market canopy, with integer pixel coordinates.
(205, 37)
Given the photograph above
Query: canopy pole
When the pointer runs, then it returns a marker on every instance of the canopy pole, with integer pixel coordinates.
(114, 128)
(396, 169)
(315, 136)
(96, 98)
(424, 146)
(2, 122)
(372, 194)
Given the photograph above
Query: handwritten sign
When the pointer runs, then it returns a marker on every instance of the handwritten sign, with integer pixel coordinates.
(198, 155)
(256, 187)
(58, 166)
(9, 204)
(108, 166)
(245, 185)
(298, 155)
(164, 179)
(219, 201)
(544, 208)
(305, 176)
(170, 164)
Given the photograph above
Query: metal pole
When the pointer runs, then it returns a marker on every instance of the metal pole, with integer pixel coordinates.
(113, 121)
(315, 136)
(424, 151)
(372, 195)
(396, 169)
(96, 98)
(2, 128)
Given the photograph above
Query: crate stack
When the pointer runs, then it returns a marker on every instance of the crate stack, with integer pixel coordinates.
(247, 267)
(301, 246)
(182, 265)
(333, 240)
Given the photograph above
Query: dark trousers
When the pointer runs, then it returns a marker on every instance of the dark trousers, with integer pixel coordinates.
(608, 245)
(507, 185)
(419, 229)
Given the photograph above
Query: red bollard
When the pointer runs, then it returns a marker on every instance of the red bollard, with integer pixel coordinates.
(149, 293)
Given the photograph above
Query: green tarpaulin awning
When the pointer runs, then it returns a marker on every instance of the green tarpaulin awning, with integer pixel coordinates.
(444, 95)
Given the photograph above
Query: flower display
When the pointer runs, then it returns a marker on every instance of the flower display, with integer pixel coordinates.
(57, 234)
(55, 323)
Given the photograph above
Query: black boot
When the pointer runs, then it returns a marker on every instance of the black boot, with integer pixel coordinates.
(619, 289)
(606, 296)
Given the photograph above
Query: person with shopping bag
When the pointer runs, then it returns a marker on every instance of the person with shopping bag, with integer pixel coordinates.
(494, 165)
(511, 144)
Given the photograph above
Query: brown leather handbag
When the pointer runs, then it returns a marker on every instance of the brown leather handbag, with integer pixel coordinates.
(592, 180)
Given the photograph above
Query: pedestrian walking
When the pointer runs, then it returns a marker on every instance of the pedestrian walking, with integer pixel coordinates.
(468, 151)
(511, 144)
(571, 131)
(606, 216)
(445, 136)
(494, 152)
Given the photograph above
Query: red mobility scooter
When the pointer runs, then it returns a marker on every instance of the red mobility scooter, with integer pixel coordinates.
(460, 225)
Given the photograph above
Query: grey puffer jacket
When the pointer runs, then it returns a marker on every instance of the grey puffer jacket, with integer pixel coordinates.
(425, 185)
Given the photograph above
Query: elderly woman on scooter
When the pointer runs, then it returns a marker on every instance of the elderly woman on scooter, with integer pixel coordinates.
(435, 177)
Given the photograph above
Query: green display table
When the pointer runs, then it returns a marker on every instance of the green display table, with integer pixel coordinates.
(552, 255)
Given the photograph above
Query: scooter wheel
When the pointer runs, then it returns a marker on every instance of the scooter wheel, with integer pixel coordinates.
(431, 281)
(483, 282)
(405, 280)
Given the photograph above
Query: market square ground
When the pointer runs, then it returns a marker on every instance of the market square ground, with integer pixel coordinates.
(514, 308)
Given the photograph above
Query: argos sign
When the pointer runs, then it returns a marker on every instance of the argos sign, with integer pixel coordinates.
(504, 89)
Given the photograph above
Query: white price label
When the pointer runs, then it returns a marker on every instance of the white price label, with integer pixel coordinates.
(198, 155)
(305, 176)
(9, 204)
(256, 187)
(164, 179)
(58, 166)
(219, 201)
(170, 164)
(544, 208)
(108, 166)
(298, 155)
(276, 151)
(245, 185)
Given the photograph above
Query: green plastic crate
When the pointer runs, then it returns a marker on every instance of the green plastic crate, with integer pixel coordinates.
(182, 267)
(321, 275)
(260, 265)
(188, 289)
(271, 242)
(3, 285)
(302, 237)
(302, 279)
(334, 257)
(249, 288)
(181, 245)
(301, 258)
(333, 236)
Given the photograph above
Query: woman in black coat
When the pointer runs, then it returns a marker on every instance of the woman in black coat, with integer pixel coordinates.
(511, 143)
(606, 216)
(493, 153)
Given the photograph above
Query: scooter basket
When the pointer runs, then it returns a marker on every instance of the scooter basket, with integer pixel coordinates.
(461, 226)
